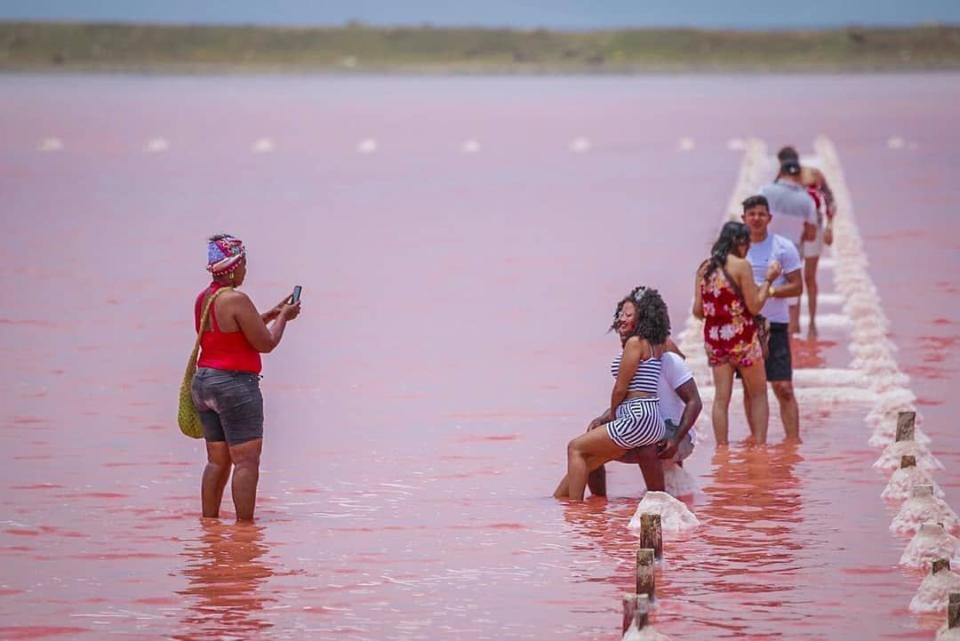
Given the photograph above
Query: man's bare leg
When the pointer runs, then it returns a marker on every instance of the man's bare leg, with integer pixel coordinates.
(789, 409)
(597, 481)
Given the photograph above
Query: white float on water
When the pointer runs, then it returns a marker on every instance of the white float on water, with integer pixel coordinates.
(580, 144)
(675, 516)
(931, 542)
(156, 146)
(923, 507)
(686, 144)
(367, 146)
(263, 146)
(470, 146)
(50, 144)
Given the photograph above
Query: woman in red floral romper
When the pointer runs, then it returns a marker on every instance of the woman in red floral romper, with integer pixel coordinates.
(726, 298)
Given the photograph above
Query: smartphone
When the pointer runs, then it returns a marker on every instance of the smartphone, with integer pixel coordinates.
(295, 296)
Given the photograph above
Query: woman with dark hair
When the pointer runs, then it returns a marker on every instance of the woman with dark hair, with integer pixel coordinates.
(226, 387)
(727, 298)
(633, 419)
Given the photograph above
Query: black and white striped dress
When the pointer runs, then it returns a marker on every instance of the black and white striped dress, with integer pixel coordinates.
(638, 421)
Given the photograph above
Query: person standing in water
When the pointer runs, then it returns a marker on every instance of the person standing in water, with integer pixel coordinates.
(794, 216)
(767, 248)
(726, 297)
(816, 184)
(226, 387)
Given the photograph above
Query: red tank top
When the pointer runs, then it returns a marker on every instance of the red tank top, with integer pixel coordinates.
(224, 350)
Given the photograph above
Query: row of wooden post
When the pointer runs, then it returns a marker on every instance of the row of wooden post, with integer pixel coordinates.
(636, 606)
(906, 422)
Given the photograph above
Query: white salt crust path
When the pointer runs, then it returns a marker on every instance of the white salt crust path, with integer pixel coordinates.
(933, 593)
(900, 485)
(918, 510)
(647, 634)
(675, 516)
(890, 459)
(931, 542)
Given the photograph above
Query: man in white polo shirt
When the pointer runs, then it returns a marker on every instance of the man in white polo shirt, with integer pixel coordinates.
(766, 247)
(794, 216)
(680, 406)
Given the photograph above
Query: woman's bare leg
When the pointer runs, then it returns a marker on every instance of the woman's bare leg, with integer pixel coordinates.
(810, 285)
(246, 474)
(723, 383)
(585, 454)
(755, 397)
(215, 476)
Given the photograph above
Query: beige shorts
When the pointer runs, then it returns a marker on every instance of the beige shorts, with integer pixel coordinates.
(812, 248)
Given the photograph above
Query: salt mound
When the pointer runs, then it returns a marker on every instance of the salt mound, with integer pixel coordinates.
(678, 481)
(933, 593)
(674, 515)
(890, 459)
(944, 634)
(885, 434)
(923, 509)
(900, 485)
(931, 542)
(647, 634)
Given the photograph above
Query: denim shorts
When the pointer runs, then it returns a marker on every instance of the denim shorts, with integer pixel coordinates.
(230, 405)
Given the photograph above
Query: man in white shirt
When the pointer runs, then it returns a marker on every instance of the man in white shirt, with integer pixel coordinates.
(794, 216)
(766, 247)
(680, 406)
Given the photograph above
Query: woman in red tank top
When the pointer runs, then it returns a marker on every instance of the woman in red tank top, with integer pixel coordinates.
(726, 298)
(226, 387)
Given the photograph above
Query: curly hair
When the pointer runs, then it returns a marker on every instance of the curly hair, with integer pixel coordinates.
(653, 320)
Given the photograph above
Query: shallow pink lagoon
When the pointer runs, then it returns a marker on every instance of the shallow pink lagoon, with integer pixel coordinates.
(452, 341)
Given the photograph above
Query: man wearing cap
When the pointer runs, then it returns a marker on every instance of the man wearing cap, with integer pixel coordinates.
(826, 205)
(794, 216)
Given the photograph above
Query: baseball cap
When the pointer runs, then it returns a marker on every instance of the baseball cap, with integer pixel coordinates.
(790, 167)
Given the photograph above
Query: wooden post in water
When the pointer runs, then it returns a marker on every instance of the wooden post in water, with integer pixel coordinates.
(953, 611)
(905, 423)
(646, 579)
(938, 565)
(651, 534)
(636, 608)
(908, 461)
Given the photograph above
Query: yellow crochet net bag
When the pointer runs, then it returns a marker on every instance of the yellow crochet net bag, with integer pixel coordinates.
(187, 416)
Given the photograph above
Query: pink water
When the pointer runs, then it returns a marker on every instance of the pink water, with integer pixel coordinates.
(452, 341)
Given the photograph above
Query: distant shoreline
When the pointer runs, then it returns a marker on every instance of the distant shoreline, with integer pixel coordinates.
(359, 49)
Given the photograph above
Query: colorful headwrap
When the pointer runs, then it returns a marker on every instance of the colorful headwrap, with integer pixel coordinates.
(224, 254)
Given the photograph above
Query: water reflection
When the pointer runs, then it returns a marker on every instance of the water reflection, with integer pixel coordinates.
(754, 508)
(225, 574)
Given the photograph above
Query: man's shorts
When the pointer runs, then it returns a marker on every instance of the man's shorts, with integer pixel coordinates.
(812, 248)
(684, 447)
(230, 405)
(779, 364)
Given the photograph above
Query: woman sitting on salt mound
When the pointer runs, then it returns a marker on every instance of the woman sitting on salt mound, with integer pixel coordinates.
(633, 423)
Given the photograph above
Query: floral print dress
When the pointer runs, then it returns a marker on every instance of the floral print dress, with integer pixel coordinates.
(729, 331)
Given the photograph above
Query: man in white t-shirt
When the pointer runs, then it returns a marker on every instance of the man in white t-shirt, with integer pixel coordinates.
(766, 247)
(680, 406)
(794, 216)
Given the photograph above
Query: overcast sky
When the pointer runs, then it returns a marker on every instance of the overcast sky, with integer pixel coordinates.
(558, 14)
